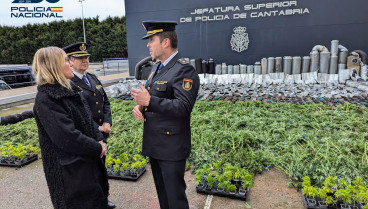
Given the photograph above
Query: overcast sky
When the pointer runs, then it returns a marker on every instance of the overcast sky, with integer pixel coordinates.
(71, 9)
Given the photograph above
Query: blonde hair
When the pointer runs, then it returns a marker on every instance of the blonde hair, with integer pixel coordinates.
(48, 65)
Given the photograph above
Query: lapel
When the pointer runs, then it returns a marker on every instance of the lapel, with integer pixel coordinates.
(164, 70)
(80, 83)
(92, 81)
(153, 71)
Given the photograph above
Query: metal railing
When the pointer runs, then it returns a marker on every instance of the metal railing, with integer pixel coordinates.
(114, 66)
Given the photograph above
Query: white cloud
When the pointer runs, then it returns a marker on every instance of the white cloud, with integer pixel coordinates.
(71, 9)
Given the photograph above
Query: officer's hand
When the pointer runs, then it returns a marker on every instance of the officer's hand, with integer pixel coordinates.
(101, 128)
(106, 127)
(137, 112)
(104, 148)
(141, 96)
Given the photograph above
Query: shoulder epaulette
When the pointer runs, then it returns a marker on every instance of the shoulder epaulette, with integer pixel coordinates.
(91, 74)
(183, 62)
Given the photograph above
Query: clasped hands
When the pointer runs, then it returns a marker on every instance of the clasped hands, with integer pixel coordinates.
(142, 98)
(106, 128)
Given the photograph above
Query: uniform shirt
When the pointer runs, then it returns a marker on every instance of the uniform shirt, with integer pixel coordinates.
(170, 58)
(80, 76)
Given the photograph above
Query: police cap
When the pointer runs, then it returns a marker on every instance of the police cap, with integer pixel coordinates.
(154, 27)
(77, 49)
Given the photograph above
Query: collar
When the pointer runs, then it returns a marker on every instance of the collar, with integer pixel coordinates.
(57, 91)
(170, 58)
(79, 75)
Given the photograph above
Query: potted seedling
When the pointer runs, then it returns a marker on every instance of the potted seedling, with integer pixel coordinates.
(143, 164)
(6, 156)
(331, 182)
(200, 177)
(19, 155)
(137, 158)
(228, 175)
(109, 162)
(309, 191)
(344, 196)
(237, 178)
(322, 193)
(358, 189)
(361, 197)
(246, 183)
(211, 179)
(352, 191)
(116, 167)
(134, 167)
(8, 153)
(2, 158)
(343, 193)
(306, 181)
(330, 200)
(32, 150)
(124, 169)
(230, 188)
(221, 185)
(217, 165)
(224, 185)
(124, 158)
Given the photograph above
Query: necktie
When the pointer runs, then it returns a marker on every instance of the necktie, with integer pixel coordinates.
(84, 78)
(160, 67)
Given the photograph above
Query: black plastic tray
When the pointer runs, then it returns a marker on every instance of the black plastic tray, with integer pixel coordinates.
(140, 172)
(214, 191)
(19, 164)
(318, 207)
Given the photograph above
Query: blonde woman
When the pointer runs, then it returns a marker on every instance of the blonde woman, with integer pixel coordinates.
(70, 145)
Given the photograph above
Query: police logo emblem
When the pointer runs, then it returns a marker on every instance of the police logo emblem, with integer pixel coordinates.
(239, 40)
(83, 47)
(187, 84)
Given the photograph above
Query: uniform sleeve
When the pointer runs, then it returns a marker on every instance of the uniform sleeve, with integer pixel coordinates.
(106, 107)
(184, 97)
(99, 135)
(61, 130)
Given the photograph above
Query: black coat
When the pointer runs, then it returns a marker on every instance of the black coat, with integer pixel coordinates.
(74, 171)
(173, 91)
(97, 100)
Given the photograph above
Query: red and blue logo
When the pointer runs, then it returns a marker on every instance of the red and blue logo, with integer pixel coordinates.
(33, 1)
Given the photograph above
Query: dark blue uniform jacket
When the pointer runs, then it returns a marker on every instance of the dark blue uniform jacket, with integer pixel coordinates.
(173, 91)
(97, 100)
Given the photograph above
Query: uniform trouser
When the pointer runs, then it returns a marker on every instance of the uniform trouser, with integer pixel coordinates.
(170, 183)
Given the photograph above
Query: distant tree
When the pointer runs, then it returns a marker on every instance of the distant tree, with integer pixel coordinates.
(108, 38)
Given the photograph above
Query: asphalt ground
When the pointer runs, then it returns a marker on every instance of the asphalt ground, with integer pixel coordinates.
(26, 188)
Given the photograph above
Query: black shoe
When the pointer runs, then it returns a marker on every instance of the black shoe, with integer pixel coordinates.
(110, 205)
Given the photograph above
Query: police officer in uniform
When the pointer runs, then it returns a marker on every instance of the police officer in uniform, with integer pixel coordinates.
(92, 88)
(165, 104)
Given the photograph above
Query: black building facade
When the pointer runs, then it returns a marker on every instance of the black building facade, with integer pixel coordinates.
(245, 31)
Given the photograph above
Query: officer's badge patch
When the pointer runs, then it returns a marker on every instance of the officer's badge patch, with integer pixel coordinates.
(187, 84)
(98, 86)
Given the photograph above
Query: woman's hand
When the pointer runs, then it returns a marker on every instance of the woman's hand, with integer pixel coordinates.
(104, 148)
